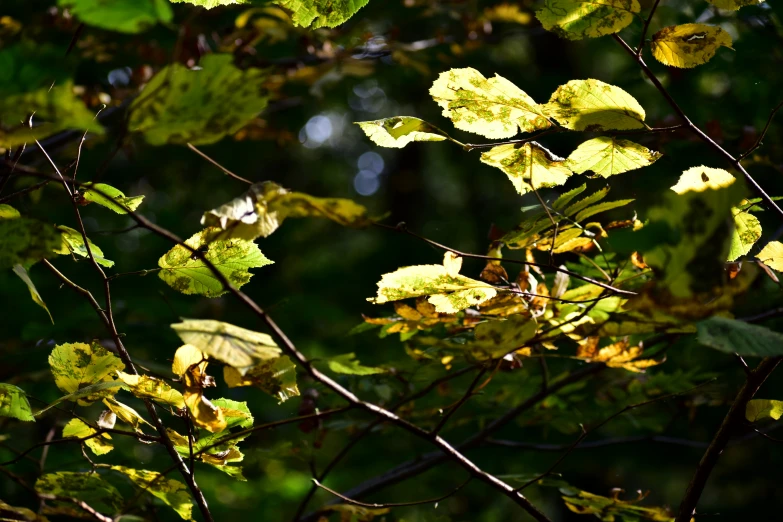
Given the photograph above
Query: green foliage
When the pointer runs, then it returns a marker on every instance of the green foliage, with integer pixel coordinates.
(24, 241)
(109, 197)
(732, 336)
(172, 492)
(575, 19)
(607, 156)
(36, 297)
(87, 487)
(77, 365)
(125, 16)
(73, 244)
(14, 403)
(349, 365)
(99, 444)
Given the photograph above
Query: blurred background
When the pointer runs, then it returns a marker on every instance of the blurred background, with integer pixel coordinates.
(381, 63)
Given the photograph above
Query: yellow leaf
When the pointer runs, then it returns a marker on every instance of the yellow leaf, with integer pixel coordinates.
(398, 131)
(204, 414)
(77, 365)
(448, 293)
(528, 166)
(772, 255)
(493, 108)
(734, 5)
(277, 377)
(172, 492)
(593, 105)
(688, 45)
(699, 179)
(577, 19)
(500, 337)
(100, 444)
(146, 387)
(126, 414)
(186, 356)
(607, 156)
(452, 263)
(747, 230)
(759, 409)
(507, 13)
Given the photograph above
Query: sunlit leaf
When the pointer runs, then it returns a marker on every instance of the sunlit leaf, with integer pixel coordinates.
(266, 205)
(507, 12)
(186, 357)
(528, 166)
(73, 244)
(321, 13)
(399, 131)
(197, 106)
(493, 108)
(76, 365)
(607, 156)
(732, 336)
(449, 293)
(576, 19)
(235, 346)
(37, 299)
(170, 491)
(734, 4)
(688, 45)
(188, 273)
(747, 230)
(699, 179)
(203, 413)
(760, 409)
(110, 197)
(14, 403)
(276, 376)
(500, 337)
(125, 16)
(592, 105)
(89, 487)
(350, 365)
(99, 444)
(126, 414)
(772, 255)
(609, 509)
(617, 355)
(600, 207)
(146, 387)
(24, 241)
(8, 212)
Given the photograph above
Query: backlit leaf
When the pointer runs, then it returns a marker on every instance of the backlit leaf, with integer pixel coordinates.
(24, 241)
(235, 346)
(146, 387)
(170, 491)
(688, 45)
(350, 365)
(593, 105)
(528, 165)
(747, 230)
(610, 509)
(398, 131)
(89, 487)
(321, 13)
(601, 207)
(562, 202)
(734, 4)
(110, 197)
(99, 444)
(607, 156)
(37, 299)
(449, 293)
(200, 106)
(576, 19)
(187, 273)
(493, 108)
(277, 377)
(186, 357)
(84, 392)
(265, 206)
(126, 414)
(772, 255)
(732, 336)
(760, 409)
(699, 179)
(203, 413)
(125, 16)
(8, 212)
(500, 337)
(76, 365)
(73, 243)
(14, 403)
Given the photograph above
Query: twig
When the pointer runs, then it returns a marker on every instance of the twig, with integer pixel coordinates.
(218, 165)
(467, 395)
(24, 191)
(597, 443)
(763, 133)
(731, 421)
(394, 504)
(82, 504)
(645, 28)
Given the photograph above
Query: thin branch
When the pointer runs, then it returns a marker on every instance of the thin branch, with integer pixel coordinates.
(731, 421)
(82, 504)
(763, 132)
(394, 504)
(24, 191)
(645, 28)
(470, 146)
(218, 165)
(467, 395)
(597, 443)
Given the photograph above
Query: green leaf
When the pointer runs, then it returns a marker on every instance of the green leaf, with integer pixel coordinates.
(561, 202)
(73, 243)
(747, 230)
(100, 444)
(197, 106)
(8, 212)
(688, 45)
(528, 166)
(89, 487)
(235, 346)
(110, 197)
(772, 255)
(185, 272)
(172, 492)
(733, 5)
(209, 4)
(732, 336)
(37, 299)
(399, 131)
(124, 16)
(601, 207)
(497, 338)
(76, 365)
(577, 19)
(348, 364)
(84, 392)
(277, 377)
(146, 387)
(592, 105)
(24, 241)
(265, 206)
(321, 13)
(607, 156)
(14, 403)
(582, 204)
(760, 409)
(448, 291)
(126, 414)
(494, 108)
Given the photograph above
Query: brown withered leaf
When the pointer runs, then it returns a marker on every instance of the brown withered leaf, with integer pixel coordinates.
(617, 355)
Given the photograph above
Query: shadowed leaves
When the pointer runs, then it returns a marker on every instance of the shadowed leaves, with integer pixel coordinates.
(124, 16)
(88, 487)
(76, 365)
(577, 19)
(170, 491)
(592, 105)
(24, 241)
